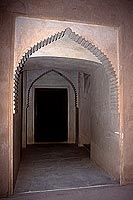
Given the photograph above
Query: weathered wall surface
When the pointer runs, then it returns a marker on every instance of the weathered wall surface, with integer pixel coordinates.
(5, 99)
(17, 146)
(126, 98)
(105, 148)
(106, 13)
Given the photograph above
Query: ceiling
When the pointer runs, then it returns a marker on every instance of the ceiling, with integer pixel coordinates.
(63, 63)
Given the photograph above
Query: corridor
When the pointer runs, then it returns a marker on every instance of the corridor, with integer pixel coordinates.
(58, 166)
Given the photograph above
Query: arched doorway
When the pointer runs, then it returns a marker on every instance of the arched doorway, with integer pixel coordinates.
(103, 100)
(57, 86)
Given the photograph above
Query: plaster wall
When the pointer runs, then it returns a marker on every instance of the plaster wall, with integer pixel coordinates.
(65, 47)
(104, 13)
(17, 140)
(105, 146)
(84, 110)
(5, 110)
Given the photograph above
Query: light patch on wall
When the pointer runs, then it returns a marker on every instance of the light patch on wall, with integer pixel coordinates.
(66, 48)
(116, 132)
(86, 82)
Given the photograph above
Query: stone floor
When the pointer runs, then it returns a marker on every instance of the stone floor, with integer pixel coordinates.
(53, 167)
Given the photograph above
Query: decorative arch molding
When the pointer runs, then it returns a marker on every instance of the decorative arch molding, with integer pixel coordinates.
(75, 98)
(107, 65)
(61, 75)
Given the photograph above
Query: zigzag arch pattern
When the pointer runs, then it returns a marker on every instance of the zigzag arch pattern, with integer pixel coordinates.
(60, 74)
(109, 70)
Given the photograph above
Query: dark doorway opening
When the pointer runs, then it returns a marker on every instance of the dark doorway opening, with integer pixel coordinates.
(51, 115)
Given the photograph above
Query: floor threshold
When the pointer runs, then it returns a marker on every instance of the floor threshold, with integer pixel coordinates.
(68, 189)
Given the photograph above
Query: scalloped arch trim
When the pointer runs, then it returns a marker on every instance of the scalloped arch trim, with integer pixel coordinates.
(61, 75)
(109, 70)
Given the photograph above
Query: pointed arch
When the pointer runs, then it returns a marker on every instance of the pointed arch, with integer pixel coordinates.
(107, 65)
(61, 75)
(75, 98)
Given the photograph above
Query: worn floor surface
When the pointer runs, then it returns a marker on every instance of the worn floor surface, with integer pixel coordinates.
(50, 167)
